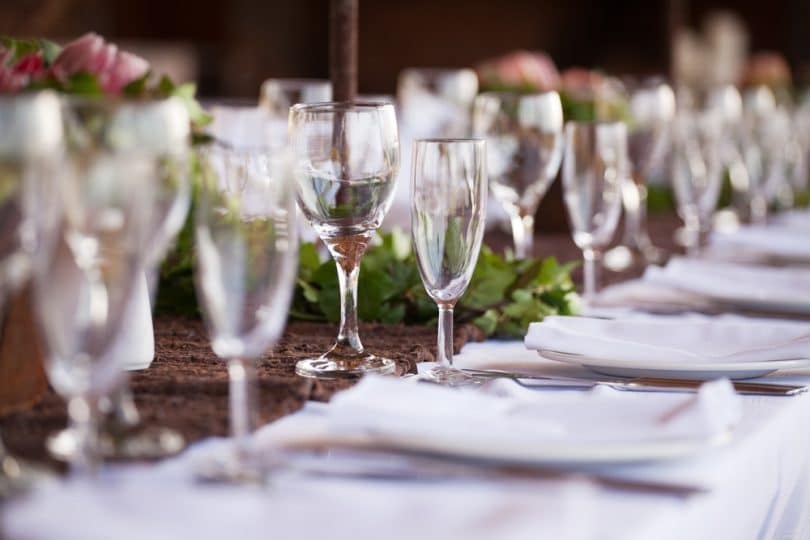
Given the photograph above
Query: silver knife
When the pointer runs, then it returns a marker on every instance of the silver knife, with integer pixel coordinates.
(641, 384)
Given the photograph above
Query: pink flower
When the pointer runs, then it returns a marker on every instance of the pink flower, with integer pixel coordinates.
(10, 80)
(520, 69)
(113, 69)
(768, 68)
(32, 65)
(581, 83)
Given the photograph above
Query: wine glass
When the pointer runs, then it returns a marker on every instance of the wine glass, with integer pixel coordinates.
(247, 257)
(30, 152)
(89, 260)
(278, 95)
(346, 162)
(524, 142)
(697, 168)
(435, 102)
(759, 153)
(159, 130)
(652, 107)
(594, 168)
(448, 215)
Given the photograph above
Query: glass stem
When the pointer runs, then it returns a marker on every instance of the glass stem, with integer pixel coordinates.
(444, 345)
(522, 234)
(347, 253)
(759, 210)
(242, 399)
(83, 416)
(692, 226)
(590, 270)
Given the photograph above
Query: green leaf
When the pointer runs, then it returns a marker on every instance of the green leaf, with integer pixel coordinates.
(137, 87)
(50, 50)
(83, 84)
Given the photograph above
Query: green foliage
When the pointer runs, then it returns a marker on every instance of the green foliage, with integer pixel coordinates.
(23, 47)
(660, 199)
(504, 296)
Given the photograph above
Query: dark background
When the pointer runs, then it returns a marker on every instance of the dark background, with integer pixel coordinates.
(238, 43)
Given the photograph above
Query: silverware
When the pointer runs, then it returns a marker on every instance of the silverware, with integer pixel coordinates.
(640, 384)
(422, 468)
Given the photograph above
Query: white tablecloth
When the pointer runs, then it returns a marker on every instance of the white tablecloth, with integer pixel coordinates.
(759, 488)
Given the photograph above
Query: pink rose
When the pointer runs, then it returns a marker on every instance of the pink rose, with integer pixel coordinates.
(10, 79)
(520, 69)
(768, 68)
(113, 69)
(581, 83)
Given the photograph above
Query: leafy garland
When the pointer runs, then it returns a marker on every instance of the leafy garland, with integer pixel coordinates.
(504, 295)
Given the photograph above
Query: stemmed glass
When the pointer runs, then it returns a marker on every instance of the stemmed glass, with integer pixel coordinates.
(30, 153)
(594, 168)
(346, 162)
(652, 107)
(160, 131)
(448, 215)
(525, 144)
(89, 260)
(697, 168)
(278, 95)
(760, 151)
(247, 256)
(435, 102)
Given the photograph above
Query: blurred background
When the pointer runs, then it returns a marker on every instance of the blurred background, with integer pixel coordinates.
(231, 46)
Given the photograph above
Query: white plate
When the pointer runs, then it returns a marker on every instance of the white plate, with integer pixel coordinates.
(574, 454)
(676, 370)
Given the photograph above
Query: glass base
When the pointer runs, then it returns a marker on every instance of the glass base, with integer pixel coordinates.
(450, 376)
(18, 476)
(326, 367)
(230, 469)
(624, 257)
(137, 444)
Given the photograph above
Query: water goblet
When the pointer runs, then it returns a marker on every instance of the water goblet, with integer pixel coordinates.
(697, 168)
(594, 168)
(247, 258)
(524, 150)
(30, 152)
(278, 95)
(651, 109)
(346, 162)
(435, 102)
(89, 260)
(448, 216)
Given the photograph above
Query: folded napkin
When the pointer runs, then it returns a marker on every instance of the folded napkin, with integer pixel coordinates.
(673, 339)
(797, 219)
(701, 283)
(505, 416)
(757, 242)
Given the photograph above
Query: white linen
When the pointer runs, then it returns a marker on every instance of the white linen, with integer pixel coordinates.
(699, 283)
(757, 242)
(505, 414)
(689, 340)
(760, 489)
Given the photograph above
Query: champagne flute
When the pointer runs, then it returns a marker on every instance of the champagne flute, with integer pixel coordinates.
(697, 168)
(247, 257)
(524, 142)
(30, 152)
(448, 215)
(346, 163)
(652, 107)
(594, 168)
(89, 261)
(758, 151)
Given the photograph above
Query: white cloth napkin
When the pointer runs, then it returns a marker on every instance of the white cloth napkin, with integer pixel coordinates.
(673, 339)
(756, 242)
(506, 415)
(699, 283)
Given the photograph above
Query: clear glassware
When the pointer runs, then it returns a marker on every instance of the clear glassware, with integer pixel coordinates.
(448, 216)
(595, 165)
(346, 162)
(697, 172)
(247, 259)
(652, 107)
(278, 95)
(89, 260)
(761, 149)
(524, 134)
(435, 102)
(30, 152)
(160, 131)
